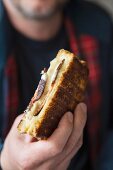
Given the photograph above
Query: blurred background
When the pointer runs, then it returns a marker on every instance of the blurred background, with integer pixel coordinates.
(95, 39)
(106, 4)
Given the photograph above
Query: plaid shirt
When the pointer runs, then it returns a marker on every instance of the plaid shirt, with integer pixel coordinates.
(89, 45)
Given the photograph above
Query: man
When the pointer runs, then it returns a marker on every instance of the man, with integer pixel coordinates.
(33, 33)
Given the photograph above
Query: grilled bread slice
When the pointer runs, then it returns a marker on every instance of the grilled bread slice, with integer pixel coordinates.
(60, 89)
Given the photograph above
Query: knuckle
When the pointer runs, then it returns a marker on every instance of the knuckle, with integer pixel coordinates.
(70, 126)
(55, 149)
(48, 166)
(68, 130)
(25, 163)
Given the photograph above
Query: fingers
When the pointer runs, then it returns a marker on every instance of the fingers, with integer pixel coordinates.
(17, 120)
(63, 131)
(65, 163)
(77, 132)
(63, 140)
(80, 117)
(63, 166)
(14, 129)
(15, 133)
(56, 142)
(75, 149)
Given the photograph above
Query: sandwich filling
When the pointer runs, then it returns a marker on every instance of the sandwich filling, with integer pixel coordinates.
(41, 88)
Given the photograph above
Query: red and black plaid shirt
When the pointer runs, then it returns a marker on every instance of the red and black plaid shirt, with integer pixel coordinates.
(90, 50)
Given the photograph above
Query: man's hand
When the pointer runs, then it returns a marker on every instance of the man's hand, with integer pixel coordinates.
(20, 152)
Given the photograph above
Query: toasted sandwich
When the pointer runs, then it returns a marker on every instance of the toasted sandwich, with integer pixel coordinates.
(60, 89)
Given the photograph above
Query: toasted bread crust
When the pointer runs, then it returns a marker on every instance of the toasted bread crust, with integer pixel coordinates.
(70, 92)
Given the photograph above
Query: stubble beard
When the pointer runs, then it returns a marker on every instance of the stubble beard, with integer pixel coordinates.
(38, 15)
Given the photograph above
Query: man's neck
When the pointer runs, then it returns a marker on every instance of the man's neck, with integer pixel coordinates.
(37, 30)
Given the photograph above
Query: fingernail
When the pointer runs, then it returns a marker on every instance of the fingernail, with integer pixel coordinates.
(83, 107)
(70, 117)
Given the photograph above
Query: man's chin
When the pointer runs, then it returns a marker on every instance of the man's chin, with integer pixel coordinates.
(36, 12)
(37, 15)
